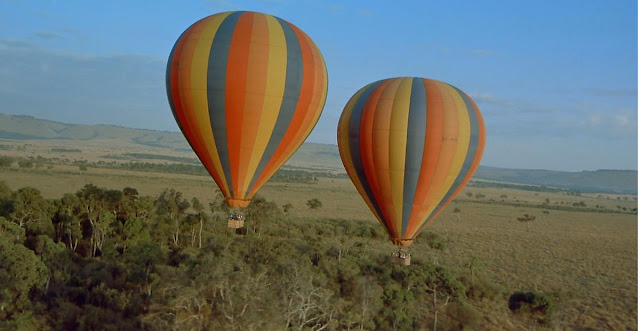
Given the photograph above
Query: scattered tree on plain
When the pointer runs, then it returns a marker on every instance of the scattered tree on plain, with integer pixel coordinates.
(314, 204)
(526, 219)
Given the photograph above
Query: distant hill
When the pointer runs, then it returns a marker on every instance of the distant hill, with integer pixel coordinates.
(310, 155)
(611, 181)
(27, 127)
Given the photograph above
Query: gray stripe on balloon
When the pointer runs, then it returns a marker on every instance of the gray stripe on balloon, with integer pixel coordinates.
(355, 151)
(290, 97)
(216, 84)
(416, 130)
(471, 152)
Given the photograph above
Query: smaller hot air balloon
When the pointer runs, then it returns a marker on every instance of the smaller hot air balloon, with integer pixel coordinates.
(246, 89)
(410, 145)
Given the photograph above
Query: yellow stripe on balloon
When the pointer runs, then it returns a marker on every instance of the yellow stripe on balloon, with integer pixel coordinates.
(276, 75)
(397, 147)
(346, 153)
(314, 110)
(317, 99)
(462, 144)
(381, 158)
(199, 67)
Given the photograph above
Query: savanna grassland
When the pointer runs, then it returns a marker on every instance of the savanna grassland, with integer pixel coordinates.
(577, 251)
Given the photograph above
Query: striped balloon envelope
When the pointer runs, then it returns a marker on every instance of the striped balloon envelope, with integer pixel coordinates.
(246, 89)
(410, 145)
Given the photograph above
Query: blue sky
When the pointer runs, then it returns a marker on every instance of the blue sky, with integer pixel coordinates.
(556, 81)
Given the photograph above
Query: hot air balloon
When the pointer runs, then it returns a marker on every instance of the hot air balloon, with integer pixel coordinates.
(410, 145)
(246, 89)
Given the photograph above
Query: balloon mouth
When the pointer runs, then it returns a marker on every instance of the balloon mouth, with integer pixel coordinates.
(402, 242)
(237, 203)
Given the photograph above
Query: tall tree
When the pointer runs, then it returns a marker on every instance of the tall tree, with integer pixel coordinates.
(201, 216)
(31, 211)
(440, 284)
(66, 222)
(21, 271)
(98, 213)
(171, 207)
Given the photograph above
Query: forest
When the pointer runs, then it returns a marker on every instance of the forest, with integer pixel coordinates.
(101, 259)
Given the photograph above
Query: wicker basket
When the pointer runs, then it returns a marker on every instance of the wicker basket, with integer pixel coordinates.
(402, 260)
(235, 224)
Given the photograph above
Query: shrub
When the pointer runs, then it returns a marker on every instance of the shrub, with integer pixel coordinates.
(537, 305)
(25, 164)
(314, 203)
(434, 240)
(484, 290)
(5, 161)
(465, 316)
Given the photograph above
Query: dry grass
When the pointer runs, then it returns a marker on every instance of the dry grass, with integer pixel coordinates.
(588, 259)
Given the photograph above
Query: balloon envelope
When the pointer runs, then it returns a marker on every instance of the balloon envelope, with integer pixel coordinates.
(410, 145)
(246, 89)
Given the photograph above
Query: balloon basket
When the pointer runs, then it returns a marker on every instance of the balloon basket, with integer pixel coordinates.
(235, 224)
(401, 257)
(235, 220)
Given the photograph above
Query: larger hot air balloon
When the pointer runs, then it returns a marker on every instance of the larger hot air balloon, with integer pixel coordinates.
(246, 89)
(410, 145)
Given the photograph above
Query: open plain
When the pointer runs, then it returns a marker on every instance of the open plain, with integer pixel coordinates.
(581, 248)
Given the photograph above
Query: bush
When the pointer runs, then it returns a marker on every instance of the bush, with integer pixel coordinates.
(434, 240)
(465, 316)
(314, 203)
(538, 305)
(5, 161)
(25, 164)
(483, 290)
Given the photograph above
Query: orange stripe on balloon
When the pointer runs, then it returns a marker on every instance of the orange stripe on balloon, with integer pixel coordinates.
(447, 152)
(184, 77)
(257, 65)
(311, 92)
(380, 167)
(181, 81)
(305, 115)
(235, 92)
(175, 85)
(476, 160)
(368, 148)
(201, 123)
(481, 137)
(302, 107)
